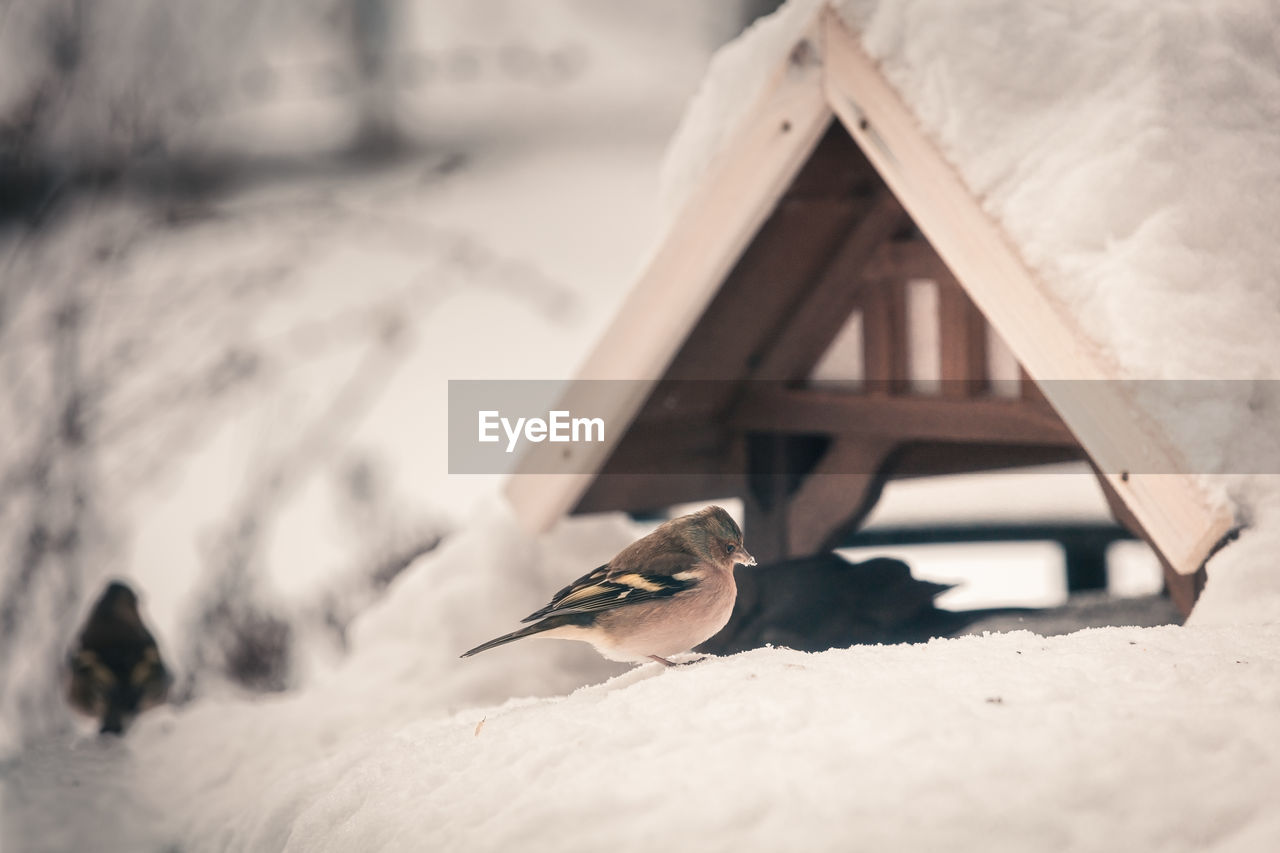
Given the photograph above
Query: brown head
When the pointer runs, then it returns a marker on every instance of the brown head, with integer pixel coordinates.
(713, 535)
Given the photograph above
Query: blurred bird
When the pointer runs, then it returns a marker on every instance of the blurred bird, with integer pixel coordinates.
(661, 595)
(115, 672)
(825, 602)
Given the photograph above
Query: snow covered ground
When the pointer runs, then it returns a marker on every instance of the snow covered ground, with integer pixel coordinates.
(1120, 738)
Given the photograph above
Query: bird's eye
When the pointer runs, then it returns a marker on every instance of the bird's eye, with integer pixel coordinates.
(731, 548)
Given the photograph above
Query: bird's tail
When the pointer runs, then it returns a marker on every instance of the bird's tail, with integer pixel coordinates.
(528, 631)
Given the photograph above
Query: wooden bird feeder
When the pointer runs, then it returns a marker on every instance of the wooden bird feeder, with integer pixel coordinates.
(831, 309)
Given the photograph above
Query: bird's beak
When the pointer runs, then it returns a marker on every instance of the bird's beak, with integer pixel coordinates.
(744, 557)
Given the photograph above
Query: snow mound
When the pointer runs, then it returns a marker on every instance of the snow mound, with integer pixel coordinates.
(1014, 739)
(479, 585)
(1156, 738)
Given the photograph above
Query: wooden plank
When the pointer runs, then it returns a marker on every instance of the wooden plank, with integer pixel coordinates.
(1183, 589)
(950, 533)
(824, 308)
(774, 408)
(772, 276)
(764, 288)
(902, 260)
(1027, 386)
(1177, 513)
(936, 459)
(884, 340)
(837, 495)
(705, 239)
(767, 498)
(962, 339)
(837, 169)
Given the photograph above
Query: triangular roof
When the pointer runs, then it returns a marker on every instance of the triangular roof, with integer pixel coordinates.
(824, 73)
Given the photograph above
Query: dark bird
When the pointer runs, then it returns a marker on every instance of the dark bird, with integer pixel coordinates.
(115, 671)
(824, 601)
(661, 595)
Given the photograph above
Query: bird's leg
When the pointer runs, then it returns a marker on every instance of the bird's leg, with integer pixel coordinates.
(666, 662)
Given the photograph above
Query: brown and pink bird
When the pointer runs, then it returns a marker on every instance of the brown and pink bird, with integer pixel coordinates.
(660, 596)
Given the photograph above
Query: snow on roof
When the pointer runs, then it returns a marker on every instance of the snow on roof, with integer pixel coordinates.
(738, 72)
(1138, 172)
(1130, 149)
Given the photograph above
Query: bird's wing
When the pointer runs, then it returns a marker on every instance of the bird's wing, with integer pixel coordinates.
(591, 577)
(606, 589)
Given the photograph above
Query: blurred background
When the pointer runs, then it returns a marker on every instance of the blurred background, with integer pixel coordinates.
(244, 246)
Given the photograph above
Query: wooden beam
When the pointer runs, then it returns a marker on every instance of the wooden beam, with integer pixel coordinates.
(837, 495)
(772, 278)
(823, 310)
(777, 409)
(884, 338)
(1184, 590)
(836, 169)
(1027, 387)
(962, 339)
(705, 239)
(1182, 519)
(789, 250)
(902, 260)
(950, 533)
(933, 459)
(767, 498)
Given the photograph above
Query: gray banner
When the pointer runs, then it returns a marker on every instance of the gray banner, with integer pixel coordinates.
(708, 426)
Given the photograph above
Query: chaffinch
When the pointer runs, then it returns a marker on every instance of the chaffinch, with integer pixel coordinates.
(661, 595)
(115, 672)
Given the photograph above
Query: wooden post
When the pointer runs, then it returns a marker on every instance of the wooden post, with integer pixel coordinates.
(767, 497)
(1183, 589)
(817, 319)
(1086, 565)
(962, 339)
(884, 339)
(839, 493)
